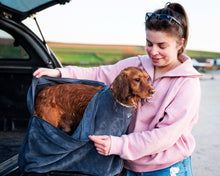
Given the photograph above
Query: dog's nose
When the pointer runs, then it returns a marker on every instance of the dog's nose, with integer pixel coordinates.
(151, 91)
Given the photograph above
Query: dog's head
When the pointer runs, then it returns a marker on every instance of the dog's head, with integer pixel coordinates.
(132, 82)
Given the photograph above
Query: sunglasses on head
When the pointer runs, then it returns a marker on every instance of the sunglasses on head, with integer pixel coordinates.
(150, 16)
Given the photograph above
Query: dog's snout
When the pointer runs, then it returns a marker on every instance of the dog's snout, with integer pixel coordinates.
(151, 91)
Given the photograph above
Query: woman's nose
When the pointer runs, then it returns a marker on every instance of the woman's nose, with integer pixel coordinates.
(154, 50)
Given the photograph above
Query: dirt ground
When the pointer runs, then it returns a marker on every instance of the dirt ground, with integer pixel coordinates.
(205, 159)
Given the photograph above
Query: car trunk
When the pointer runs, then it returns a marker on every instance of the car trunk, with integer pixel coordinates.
(14, 114)
(21, 53)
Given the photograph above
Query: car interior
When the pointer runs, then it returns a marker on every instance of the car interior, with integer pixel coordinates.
(17, 65)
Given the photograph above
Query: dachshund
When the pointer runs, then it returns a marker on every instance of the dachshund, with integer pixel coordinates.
(63, 105)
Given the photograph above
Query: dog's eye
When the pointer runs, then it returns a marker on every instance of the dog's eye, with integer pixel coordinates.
(137, 79)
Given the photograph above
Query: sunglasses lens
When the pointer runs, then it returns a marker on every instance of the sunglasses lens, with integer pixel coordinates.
(164, 17)
(150, 16)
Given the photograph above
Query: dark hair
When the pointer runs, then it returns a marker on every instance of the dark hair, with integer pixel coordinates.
(180, 31)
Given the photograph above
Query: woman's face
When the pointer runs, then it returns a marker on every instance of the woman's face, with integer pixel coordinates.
(162, 48)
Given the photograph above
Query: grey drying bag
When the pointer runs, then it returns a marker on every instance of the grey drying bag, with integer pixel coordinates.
(46, 148)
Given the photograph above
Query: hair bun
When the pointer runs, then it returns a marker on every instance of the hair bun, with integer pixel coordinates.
(175, 7)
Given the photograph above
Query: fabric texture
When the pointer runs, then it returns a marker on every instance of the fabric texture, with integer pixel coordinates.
(46, 148)
(161, 134)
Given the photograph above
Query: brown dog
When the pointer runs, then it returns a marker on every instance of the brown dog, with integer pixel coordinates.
(63, 105)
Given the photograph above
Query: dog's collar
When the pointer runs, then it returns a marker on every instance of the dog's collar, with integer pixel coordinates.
(123, 104)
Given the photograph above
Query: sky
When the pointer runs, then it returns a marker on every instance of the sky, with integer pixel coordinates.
(121, 22)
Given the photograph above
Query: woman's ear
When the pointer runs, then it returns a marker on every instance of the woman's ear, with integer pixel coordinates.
(180, 44)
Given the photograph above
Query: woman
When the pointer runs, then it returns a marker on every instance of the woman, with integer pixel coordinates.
(159, 140)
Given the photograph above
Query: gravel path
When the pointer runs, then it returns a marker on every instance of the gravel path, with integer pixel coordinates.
(206, 157)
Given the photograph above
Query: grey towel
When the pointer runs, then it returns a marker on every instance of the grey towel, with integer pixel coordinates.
(46, 148)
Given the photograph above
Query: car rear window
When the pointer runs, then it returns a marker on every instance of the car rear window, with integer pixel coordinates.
(9, 49)
(24, 5)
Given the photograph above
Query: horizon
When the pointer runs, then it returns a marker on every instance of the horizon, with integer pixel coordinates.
(99, 44)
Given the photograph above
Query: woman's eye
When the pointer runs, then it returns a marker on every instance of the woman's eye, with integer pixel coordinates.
(149, 44)
(137, 79)
(163, 46)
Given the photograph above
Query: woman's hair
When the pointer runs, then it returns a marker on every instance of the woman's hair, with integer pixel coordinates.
(179, 30)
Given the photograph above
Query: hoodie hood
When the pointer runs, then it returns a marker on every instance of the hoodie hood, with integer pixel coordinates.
(186, 69)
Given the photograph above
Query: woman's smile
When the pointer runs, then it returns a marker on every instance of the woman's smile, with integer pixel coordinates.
(156, 60)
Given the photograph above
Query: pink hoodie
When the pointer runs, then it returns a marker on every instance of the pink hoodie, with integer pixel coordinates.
(161, 133)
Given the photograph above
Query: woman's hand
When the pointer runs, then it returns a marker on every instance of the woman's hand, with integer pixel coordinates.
(47, 72)
(102, 143)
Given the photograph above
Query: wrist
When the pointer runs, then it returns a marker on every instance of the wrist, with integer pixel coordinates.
(58, 74)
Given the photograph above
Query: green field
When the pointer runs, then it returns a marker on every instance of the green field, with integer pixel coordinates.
(202, 54)
(93, 55)
(86, 56)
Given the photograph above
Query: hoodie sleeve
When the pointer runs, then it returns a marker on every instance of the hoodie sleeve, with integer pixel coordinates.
(172, 133)
(104, 74)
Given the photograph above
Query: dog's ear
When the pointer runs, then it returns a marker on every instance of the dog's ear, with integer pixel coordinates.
(120, 86)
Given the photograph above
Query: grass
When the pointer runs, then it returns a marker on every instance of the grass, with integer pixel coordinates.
(202, 54)
(7, 51)
(87, 56)
(79, 58)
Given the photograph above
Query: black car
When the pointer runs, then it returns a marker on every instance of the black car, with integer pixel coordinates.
(21, 53)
